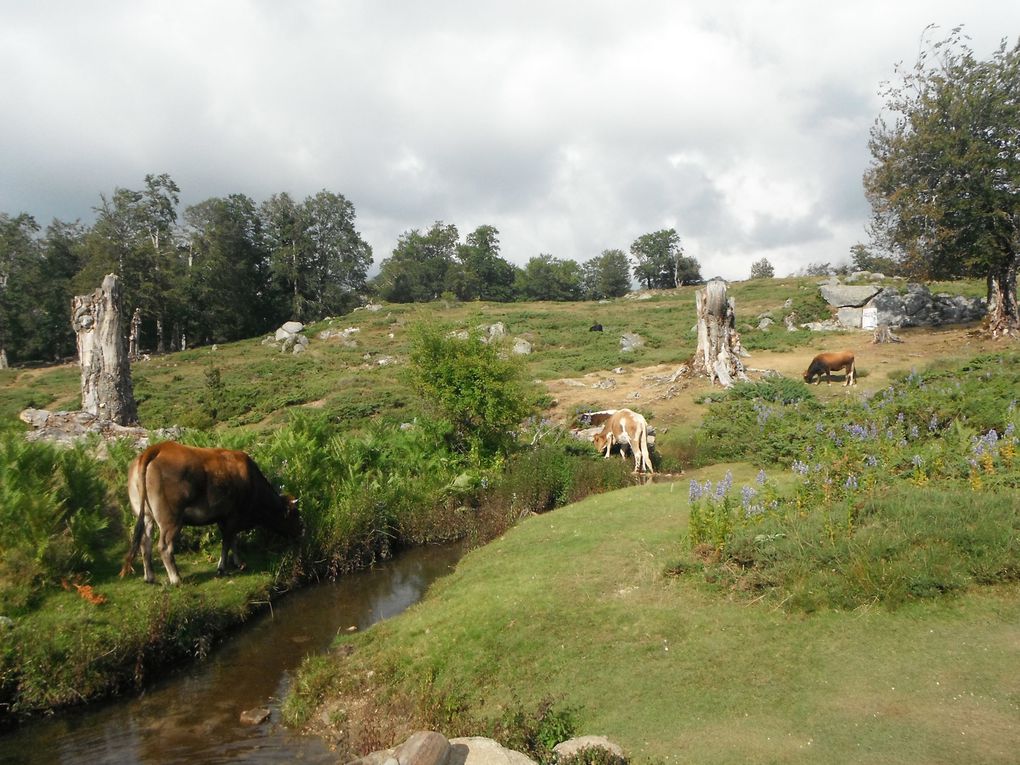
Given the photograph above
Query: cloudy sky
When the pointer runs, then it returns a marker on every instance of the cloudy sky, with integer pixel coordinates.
(572, 127)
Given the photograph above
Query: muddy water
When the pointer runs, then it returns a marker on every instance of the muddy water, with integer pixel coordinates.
(193, 716)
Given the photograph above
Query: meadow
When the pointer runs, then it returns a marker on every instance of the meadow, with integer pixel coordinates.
(820, 537)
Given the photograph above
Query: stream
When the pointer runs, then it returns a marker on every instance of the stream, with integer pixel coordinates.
(193, 716)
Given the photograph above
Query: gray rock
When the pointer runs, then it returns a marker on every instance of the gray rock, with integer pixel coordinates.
(850, 317)
(475, 750)
(293, 327)
(572, 746)
(765, 323)
(426, 747)
(631, 341)
(838, 295)
(521, 346)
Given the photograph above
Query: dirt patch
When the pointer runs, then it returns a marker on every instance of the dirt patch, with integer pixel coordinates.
(669, 402)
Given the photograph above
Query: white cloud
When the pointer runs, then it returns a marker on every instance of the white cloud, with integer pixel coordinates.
(572, 127)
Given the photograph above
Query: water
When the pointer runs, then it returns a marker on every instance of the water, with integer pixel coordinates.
(193, 716)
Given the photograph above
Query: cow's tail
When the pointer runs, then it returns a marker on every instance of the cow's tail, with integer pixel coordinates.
(136, 538)
(643, 448)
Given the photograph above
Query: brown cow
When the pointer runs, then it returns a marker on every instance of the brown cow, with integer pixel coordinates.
(175, 485)
(626, 428)
(827, 363)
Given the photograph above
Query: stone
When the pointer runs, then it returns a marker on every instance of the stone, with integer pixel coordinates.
(476, 750)
(631, 341)
(495, 330)
(255, 716)
(521, 346)
(572, 746)
(425, 747)
(765, 323)
(839, 295)
(850, 317)
(293, 327)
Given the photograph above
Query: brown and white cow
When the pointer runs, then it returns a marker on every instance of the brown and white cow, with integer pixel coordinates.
(628, 429)
(173, 485)
(827, 363)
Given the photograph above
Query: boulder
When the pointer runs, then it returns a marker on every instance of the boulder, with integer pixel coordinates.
(575, 745)
(631, 341)
(293, 327)
(475, 750)
(521, 346)
(765, 323)
(426, 747)
(840, 295)
(850, 317)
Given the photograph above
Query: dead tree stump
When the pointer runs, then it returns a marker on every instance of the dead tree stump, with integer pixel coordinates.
(106, 390)
(884, 334)
(719, 351)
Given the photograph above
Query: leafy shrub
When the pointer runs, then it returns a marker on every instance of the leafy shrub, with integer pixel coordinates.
(469, 384)
(534, 731)
(55, 520)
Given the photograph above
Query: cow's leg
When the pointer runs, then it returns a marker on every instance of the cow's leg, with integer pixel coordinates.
(609, 445)
(228, 552)
(150, 575)
(167, 536)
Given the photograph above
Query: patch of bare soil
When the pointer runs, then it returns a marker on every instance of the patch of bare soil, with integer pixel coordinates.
(668, 401)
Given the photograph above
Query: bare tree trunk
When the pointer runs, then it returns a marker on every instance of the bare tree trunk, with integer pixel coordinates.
(3, 358)
(160, 336)
(1003, 310)
(106, 390)
(718, 354)
(136, 331)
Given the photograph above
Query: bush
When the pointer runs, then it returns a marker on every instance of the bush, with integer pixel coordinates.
(469, 384)
(55, 518)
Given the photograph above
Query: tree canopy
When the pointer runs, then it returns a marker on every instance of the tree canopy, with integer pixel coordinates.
(944, 183)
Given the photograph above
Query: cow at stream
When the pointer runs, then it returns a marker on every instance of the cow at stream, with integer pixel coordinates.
(172, 486)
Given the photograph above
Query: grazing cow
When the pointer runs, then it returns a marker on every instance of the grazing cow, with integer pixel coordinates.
(175, 486)
(595, 328)
(827, 363)
(626, 428)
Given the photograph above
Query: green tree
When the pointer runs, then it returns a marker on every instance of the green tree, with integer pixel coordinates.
(606, 276)
(229, 278)
(484, 275)
(661, 263)
(944, 183)
(19, 252)
(421, 266)
(547, 278)
(471, 385)
(135, 237)
(762, 269)
(863, 259)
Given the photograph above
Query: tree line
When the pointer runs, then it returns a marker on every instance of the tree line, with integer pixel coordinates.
(229, 268)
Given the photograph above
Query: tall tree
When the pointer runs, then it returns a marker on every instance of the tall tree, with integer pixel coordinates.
(421, 266)
(229, 275)
(606, 276)
(762, 269)
(547, 278)
(944, 183)
(484, 275)
(19, 252)
(660, 261)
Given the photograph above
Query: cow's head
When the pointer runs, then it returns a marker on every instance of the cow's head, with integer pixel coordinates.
(290, 525)
(600, 440)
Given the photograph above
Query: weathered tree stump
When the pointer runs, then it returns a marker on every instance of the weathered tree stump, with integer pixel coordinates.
(719, 351)
(883, 334)
(106, 390)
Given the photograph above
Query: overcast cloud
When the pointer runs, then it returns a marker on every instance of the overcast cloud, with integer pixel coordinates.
(572, 127)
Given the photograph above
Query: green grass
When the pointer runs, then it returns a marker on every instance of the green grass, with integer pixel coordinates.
(575, 606)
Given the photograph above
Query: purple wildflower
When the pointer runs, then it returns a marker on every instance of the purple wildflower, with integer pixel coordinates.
(851, 482)
(761, 477)
(917, 460)
(695, 492)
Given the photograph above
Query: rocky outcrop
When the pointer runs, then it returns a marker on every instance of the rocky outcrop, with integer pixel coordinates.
(842, 295)
(918, 307)
(288, 338)
(631, 341)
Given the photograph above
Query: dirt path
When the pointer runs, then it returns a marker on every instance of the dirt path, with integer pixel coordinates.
(668, 404)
